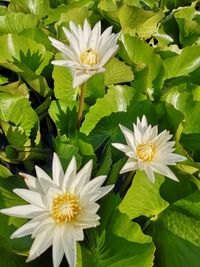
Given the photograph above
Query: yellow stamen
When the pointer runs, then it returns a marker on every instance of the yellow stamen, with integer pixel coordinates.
(65, 208)
(89, 57)
(146, 152)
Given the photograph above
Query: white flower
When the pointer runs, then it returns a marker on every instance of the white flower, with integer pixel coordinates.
(59, 209)
(149, 151)
(88, 50)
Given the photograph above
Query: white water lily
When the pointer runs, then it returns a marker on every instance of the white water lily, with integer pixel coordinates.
(88, 50)
(148, 151)
(59, 209)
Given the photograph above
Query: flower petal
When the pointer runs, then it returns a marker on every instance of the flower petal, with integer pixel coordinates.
(26, 229)
(129, 136)
(66, 63)
(31, 182)
(41, 243)
(130, 165)
(69, 174)
(149, 173)
(57, 171)
(102, 192)
(82, 178)
(80, 77)
(58, 251)
(64, 49)
(32, 197)
(45, 181)
(95, 36)
(108, 55)
(122, 147)
(69, 245)
(48, 222)
(87, 32)
(23, 211)
(164, 170)
(93, 185)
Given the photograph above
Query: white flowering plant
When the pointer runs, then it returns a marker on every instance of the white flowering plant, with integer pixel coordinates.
(99, 133)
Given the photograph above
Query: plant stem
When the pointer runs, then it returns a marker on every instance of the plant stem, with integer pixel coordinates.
(81, 105)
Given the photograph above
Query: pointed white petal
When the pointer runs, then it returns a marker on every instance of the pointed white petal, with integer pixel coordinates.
(109, 43)
(73, 28)
(69, 174)
(137, 134)
(64, 49)
(95, 39)
(32, 197)
(41, 243)
(81, 38)
(93, 185)
(146, 134)
(173, 158)
(129, 136)
(57, 171)
(73, 42)
(81, 77)
(77, 232)
(122, 147)
(69, 245)
(82, 178)
(23, 211)
(66, 63)
(108, 55)
(144, 122)
(130, 165)
(149, 173)
(58, 251)
(45, 181)
(104, 40)
(26, 229)
(87, 32)
(102, 192)
(31, 182)
(49, 222)
(164, 170)
(88, 219)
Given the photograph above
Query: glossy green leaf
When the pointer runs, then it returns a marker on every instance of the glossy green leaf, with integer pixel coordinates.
(54, 14)
(139, 22)
(4, 172)
(66, 150)
(18, 120)
(118, 244)
(184, 64)
(64, 116)
(117, 72)
(177, 229)
(106, 105)
(182, 98)
(145, 196)
(39, 8)
(16, 49)
(17, 22)
(144, 57)
(63, 82)
(189, 25)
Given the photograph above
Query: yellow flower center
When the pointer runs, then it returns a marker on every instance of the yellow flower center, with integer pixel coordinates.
(89, 57)
(146, 152)
(65, 208)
